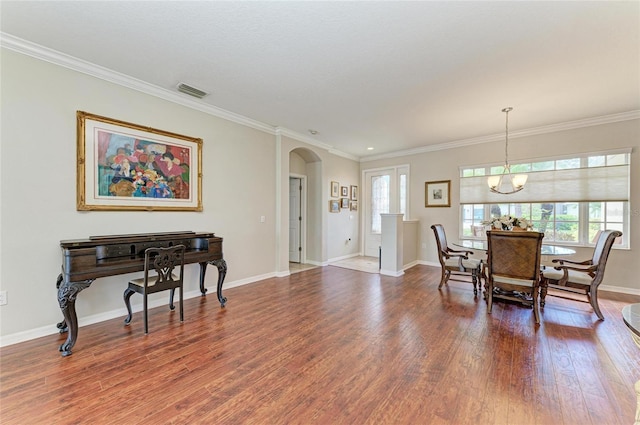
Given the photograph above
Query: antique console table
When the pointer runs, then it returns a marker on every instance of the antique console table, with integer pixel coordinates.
(631, 317)
(84, 260)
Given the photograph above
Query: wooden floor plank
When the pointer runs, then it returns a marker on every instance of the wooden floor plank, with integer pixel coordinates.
(333, 345)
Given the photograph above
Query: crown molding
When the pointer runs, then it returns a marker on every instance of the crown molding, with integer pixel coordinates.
(552, 128)
(28, 48)
(19, 45)
(37, 51)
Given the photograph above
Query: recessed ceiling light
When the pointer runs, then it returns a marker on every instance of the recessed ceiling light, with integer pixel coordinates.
(313, 132)
(369, 148)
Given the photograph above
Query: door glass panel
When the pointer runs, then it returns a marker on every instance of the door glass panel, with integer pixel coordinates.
(379, 201)
(403, 195)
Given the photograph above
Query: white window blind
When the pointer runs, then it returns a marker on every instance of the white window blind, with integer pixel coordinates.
(586, 184)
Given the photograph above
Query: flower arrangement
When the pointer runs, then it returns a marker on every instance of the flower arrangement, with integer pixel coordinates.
(508, 222)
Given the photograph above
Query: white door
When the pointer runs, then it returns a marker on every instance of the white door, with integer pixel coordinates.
(377, 201)
(385, 191)
(295, 219)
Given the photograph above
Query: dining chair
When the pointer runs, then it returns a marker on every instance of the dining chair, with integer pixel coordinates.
(159, 266)
(513, 265)
(581, 277)
(456, 262)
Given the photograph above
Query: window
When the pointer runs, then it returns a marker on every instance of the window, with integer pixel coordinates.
(570, 199)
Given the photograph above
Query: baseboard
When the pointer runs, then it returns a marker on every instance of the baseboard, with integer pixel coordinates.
(317, 263)
(113, 314)
(619, 289)
(391, 273)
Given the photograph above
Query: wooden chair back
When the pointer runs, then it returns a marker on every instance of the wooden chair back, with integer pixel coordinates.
(441, 241)
(163, 270)
(603, 248)
(514, 254)
(514, 267)
(159, 266)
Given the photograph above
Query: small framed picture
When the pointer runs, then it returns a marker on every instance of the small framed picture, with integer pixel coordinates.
(345, 203)
(335, 189)
(354, 193)
(344, 191)
(334, 206)
(437, 194)
(353, 206)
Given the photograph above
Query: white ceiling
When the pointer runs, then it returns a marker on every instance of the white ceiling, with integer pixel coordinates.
(395, 76)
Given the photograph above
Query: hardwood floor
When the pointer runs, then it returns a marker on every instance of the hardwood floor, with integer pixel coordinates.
(335, 346)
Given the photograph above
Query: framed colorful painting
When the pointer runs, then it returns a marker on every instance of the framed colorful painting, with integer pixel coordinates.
(128, 167)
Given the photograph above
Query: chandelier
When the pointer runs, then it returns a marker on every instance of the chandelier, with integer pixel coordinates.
(507, 183)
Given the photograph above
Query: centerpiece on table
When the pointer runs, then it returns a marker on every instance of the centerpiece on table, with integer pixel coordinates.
(509, 222)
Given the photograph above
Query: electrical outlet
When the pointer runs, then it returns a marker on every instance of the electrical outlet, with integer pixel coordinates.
(3, 297)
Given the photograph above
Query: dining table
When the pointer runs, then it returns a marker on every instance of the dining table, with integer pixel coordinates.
(547, 249)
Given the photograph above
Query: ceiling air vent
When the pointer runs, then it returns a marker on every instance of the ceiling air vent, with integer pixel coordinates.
(191, 91)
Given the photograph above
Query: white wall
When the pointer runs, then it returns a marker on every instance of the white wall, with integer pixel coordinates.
(39, 101)
(623, 268)
(343, 239)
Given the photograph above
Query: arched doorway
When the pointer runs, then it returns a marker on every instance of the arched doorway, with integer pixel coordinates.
(305, 207)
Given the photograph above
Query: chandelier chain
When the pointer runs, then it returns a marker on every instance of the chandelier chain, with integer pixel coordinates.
(506, 144)
(516, 182)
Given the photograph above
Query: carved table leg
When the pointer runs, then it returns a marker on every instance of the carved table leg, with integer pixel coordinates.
(222, 273)
(67, 293)
(203, 270)
(62, 326)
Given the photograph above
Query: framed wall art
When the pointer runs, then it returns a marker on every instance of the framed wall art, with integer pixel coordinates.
(335, 189)
(437, 194)
(334, 206)
(345, 203)
(128, 167)
(354, 193)
(344, 191)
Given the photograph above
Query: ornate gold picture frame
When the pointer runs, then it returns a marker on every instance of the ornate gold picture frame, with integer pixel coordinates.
(128, 167)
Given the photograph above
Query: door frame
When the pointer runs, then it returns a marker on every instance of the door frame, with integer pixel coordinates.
(303, 214)
(394, 202)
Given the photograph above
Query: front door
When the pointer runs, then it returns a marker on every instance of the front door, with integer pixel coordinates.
(377, 201)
